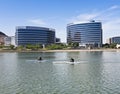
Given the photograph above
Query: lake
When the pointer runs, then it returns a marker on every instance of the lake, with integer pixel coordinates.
(97, 73)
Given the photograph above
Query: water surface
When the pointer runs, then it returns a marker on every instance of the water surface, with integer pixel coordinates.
(20, 73)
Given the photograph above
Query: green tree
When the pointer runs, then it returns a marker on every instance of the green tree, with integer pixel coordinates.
(12, 47)
(75, 44)
(70, 44)
(21, 47)
(1, 46)
(106, 45)
(55, 46)
(113, 45)
(33, 47)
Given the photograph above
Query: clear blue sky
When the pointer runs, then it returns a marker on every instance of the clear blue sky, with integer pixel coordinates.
(58, 13)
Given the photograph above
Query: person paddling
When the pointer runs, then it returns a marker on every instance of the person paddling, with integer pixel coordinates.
(71, 60)
(40, 58)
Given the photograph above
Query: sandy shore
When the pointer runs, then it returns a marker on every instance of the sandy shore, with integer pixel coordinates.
(71, 50)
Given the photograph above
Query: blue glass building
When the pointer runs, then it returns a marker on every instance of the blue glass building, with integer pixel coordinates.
(34, 35)
(115, 40)
(88, 33)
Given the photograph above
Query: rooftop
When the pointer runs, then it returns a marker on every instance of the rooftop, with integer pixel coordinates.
(34, 27)
(1, 33)
(83, 22)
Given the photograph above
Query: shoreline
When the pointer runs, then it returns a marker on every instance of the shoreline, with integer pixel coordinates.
(70, 50)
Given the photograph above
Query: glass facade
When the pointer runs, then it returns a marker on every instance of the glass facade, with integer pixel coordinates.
(115, 40)
(85, 33)
(34, 35)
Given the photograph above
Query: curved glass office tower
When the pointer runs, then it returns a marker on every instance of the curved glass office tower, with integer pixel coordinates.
(89, 33)
(34, 35)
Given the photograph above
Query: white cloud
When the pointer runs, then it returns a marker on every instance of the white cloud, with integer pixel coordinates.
(86, 16)
(114, 7)
(37, 22)
(109, 17)
(83, 17)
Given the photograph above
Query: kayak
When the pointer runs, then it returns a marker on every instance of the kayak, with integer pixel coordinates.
(65, 62)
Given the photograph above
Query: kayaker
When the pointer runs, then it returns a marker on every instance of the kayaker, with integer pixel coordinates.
(71, 60)
(40, 58)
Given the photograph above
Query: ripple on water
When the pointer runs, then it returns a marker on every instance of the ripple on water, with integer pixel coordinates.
(23, 76)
